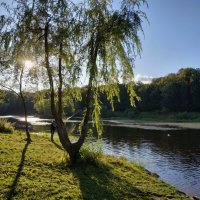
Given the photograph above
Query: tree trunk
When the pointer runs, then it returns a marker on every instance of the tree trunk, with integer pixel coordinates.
(71, 148)
(63, 136)
(74, 150)
(60, 102)
(24, 106)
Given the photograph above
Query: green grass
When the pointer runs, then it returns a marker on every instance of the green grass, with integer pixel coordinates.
(39, 171)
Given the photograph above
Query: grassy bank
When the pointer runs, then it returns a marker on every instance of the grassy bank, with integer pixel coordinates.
(169, 117)
(158, 116)
(39, 171)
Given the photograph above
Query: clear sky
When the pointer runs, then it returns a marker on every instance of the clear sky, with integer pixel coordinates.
(172, 39)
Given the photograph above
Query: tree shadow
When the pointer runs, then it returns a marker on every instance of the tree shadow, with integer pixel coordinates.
(13, 187)
(99, 182)
(57, 145)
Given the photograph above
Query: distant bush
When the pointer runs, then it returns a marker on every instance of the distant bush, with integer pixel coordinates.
(186, 116)
(5, 126)
(181, 116)
(131, 113)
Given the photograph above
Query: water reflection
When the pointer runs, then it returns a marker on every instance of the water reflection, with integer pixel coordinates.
(174, 155)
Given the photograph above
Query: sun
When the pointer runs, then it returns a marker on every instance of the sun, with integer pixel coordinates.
(28, 64)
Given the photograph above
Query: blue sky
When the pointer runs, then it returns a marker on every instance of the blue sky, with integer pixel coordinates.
(172, 39)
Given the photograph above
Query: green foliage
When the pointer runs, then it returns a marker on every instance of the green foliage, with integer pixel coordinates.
(96, 115)
(166, 116)
(111, 91)
(132, 94)
(107, 41)
(5, 126)
(42, 103)
(112, 46)
(90, 152)
(12, 104)
(186, 116)
(68, 41)
(175, 92)
(181, 116)
(71, 97)
(131, 113)
(182, 87)
(2, 94)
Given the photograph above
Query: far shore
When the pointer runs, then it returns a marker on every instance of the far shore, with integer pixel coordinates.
(154, 125)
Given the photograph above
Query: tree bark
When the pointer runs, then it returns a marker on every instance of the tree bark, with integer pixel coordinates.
(60, 102)
(92, 63)
(71, 148)
(23, 103)
(61, 128)
(24, 106)
(46, 44)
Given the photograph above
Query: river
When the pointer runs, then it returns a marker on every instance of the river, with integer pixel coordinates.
(172, 150)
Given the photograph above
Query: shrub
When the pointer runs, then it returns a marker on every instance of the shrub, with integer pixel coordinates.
(5, 126)
(90, 152)
(131, 114)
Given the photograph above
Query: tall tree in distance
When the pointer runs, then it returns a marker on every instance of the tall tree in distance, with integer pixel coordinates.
(70, 41)
(15, 50)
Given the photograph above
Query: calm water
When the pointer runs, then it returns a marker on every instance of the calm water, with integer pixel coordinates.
(173, 154)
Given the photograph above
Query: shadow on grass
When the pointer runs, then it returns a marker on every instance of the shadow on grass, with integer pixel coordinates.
(13, 187)
(100, 182)
(57, 145)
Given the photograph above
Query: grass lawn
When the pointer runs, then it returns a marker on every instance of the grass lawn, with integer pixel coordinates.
(39, 171)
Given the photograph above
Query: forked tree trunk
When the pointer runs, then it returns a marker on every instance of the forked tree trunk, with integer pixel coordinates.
(75, 148)
(63, 136)
(71, 148)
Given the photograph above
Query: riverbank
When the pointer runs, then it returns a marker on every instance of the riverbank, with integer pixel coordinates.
(39, 171)
(155, 116)
(168, 117)
(153, 125)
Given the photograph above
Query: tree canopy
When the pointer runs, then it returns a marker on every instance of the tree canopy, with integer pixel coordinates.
(69, 41)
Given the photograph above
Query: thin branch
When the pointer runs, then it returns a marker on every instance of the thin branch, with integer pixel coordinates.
(60, 103)
(9, 88)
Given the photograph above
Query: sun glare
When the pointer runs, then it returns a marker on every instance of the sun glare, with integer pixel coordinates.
(28, 64)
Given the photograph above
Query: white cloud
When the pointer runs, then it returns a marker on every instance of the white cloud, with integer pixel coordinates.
(143, 78)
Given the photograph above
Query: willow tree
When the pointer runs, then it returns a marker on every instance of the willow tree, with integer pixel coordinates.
(92, 39)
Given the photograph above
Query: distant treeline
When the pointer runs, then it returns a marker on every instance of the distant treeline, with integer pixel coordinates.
(178, 92)
(10, 103)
